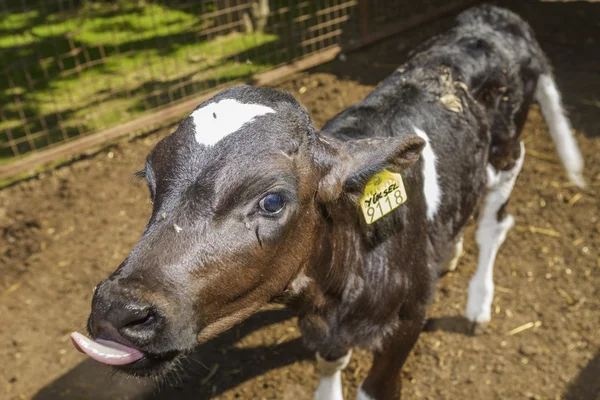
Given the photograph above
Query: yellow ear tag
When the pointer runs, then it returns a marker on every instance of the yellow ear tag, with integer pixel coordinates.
(383, 194)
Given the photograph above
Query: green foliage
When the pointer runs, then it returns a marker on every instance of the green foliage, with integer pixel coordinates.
(106, 62)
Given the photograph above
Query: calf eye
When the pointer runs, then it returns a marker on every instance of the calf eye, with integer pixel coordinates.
(272, 203)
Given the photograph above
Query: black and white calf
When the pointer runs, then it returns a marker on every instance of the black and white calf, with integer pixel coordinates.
(349, 226)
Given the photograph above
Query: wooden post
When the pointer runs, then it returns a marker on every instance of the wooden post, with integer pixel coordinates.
(363, 11)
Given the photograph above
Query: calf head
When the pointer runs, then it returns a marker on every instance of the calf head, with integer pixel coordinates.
(238, 193)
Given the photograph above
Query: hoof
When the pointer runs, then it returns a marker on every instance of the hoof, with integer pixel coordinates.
(477, 328)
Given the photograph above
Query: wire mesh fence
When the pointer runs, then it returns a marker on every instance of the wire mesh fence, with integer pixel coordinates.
(72, 67)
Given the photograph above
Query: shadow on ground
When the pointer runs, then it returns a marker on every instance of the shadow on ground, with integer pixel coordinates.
(587, 384)
(215, 367)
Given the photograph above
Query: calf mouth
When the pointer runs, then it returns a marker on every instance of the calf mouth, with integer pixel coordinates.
(124, 358)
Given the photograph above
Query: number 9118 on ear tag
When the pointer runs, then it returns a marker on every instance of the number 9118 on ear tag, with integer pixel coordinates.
(383, 194)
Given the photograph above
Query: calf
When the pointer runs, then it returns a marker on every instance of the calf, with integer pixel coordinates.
(349, 226)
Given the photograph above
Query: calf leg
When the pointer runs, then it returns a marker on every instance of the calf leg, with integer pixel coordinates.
(453, 262)
(330, 384)
(384, 381)
(494, 224)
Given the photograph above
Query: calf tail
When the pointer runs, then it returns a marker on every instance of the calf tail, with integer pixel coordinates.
(548, 96)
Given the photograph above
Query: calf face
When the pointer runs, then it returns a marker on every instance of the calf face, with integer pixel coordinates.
(238, 214)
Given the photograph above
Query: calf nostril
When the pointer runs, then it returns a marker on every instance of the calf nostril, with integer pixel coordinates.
(144, 317)
(133, 316)
(141, 325)
(127, 322)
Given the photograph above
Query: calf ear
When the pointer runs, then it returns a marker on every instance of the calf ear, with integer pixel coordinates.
(351, 164)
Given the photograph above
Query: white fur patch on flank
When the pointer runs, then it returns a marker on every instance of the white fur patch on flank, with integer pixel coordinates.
(431, 186)
(214, 121)
(548, 96)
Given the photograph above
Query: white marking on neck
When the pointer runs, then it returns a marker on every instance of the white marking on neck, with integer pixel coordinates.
(214, 121)
(431, 186)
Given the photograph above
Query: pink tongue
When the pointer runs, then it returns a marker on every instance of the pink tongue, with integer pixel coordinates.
(105, 351)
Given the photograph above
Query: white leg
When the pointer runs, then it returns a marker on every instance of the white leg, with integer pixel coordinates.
(362, 395)
(330, 384)
(490, 236)
(458, 250)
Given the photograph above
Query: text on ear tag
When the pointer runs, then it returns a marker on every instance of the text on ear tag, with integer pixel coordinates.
(383, 194)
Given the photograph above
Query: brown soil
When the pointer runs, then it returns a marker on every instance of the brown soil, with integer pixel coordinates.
(63, 232)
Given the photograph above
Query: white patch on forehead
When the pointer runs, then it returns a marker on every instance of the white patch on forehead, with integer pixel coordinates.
(431, 186)
(214, 121)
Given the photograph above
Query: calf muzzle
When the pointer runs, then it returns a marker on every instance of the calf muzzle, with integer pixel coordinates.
(126, 332)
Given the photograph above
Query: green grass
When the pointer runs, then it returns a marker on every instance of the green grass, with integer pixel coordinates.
(148, 49)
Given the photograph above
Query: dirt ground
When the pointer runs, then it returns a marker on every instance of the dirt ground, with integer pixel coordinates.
(63, 232)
